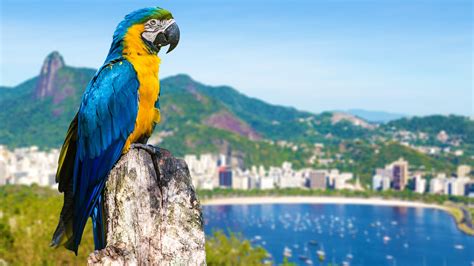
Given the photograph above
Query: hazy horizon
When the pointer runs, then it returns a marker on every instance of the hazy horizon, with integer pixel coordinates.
(406, 57)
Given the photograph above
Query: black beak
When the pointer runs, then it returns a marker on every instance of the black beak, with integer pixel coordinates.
(169, 37)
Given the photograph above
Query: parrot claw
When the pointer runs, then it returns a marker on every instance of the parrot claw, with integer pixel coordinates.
(148, 148)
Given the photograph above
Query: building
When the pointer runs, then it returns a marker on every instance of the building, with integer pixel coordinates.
(203, 170)
(266, 182)
(400, 174)
(386, 183)
(420, 184)
(317, 179)
(240, 179)
(455, 186)
(377, 182)
(469, 189)
(27, 166)
(464, 171)
(340, 180)
(442, 136)
(225, 177)
(381, 183)
(396, 173)
(437, 184)
(3, 173)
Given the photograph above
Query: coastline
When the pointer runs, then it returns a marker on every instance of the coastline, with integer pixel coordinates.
(319, 200)
(453, 211)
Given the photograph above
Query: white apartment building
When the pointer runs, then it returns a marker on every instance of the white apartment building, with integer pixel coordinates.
(437, 184)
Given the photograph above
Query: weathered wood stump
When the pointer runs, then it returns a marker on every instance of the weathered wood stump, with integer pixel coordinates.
(153, 216)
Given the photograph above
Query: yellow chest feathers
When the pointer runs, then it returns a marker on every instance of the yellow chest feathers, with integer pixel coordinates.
(146, 65)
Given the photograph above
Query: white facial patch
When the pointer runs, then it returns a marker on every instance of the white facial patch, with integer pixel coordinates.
(153, 27)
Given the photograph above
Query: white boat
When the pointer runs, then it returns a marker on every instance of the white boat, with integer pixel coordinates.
(389, 257)
(321, 254)
(386, 239)
(287, 252)
(458, 246)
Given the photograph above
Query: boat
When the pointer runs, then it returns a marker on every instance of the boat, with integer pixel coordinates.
(313, 242)
(386, 239)
(389, 257)
(303, 257)
(321, 254)
(345, 263)
(459, 247)
(287, 252)
(308, 262)
(350, 256)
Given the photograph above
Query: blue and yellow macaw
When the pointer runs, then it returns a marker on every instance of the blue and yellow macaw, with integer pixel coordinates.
(120, 107)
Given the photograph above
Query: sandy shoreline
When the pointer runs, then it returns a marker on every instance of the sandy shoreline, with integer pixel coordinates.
(318, 200)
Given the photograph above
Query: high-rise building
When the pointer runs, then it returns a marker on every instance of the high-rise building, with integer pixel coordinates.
(437, 185)
(377, 182)
(420, 184)
(386, 183)
(225, 177)
(456, 186)
(317, 179)
(469, 189)
(400, 174)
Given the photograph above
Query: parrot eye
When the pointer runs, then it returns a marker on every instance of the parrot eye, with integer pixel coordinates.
(153, 22)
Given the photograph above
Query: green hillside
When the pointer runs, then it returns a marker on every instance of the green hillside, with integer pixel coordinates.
(187, 107)
(454, 125)
(198, 118)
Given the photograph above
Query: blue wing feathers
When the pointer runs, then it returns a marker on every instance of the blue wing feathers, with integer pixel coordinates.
(105, 120)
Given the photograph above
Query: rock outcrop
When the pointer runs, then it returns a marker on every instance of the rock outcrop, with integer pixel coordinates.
(153, 216)
(45, 85)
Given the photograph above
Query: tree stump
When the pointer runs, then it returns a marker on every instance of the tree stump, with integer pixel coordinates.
(153, 216)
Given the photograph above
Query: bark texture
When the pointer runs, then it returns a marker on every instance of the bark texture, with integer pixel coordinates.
(153, 216)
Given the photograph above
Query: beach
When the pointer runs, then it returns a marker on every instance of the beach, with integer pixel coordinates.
(319, 200)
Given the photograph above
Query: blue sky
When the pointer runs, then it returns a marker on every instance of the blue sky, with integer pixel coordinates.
(405, 56)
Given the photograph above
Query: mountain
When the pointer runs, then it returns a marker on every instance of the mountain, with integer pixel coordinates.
(197, 118)
(44, 105)
(375, 116)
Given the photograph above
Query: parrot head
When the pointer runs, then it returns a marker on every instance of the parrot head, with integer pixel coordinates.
(155, 26)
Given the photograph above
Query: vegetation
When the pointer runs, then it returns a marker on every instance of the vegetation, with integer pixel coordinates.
(455, 125)
(232, 250)
(29, 215)
(463, 222)
(187, 104)
(367, 157)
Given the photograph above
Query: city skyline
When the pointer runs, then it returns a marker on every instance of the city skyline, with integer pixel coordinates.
(315, 56)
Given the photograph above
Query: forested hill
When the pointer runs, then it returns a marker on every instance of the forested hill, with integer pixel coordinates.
(197, 118)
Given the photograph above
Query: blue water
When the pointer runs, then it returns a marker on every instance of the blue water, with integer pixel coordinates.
(413, 236)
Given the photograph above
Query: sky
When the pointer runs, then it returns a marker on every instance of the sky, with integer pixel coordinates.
(405, 56)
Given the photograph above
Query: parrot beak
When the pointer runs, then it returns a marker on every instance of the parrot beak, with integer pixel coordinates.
(169, 37)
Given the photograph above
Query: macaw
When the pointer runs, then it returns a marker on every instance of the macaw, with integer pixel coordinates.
(119, 108)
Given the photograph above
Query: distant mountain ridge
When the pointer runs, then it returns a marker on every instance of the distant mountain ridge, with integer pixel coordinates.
(375, 116)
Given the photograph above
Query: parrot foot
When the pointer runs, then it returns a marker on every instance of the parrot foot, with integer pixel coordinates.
(148, 148)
